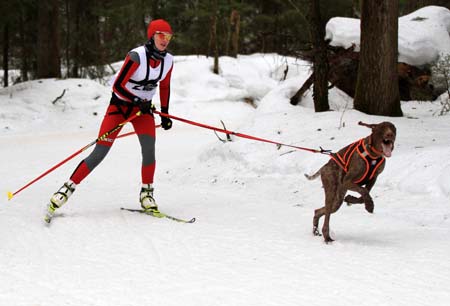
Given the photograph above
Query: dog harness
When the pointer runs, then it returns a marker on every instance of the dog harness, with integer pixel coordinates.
(372, 162)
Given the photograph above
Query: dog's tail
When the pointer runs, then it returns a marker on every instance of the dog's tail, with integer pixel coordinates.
(314, 176)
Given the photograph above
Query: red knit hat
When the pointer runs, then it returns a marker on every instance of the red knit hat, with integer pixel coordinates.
(158, 25)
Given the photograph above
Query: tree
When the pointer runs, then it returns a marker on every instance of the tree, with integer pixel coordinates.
(89, 34)
(320, 64)
(377, 91)
(7, 28)
(48, 61)
(235, 22)
(213, 39)
(5, 53)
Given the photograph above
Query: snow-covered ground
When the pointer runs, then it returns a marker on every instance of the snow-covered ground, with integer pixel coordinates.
(252, 243)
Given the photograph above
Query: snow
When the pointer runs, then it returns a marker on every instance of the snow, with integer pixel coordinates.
(416, 46)
(252, 242)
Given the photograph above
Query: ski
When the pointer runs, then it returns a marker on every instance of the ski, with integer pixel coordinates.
(48, 219)
(158, 214)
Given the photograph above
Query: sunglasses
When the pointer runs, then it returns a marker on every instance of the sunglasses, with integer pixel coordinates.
(164, 35)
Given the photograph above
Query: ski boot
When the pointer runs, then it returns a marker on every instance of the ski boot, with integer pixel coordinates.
(148, 203)
(58, 199)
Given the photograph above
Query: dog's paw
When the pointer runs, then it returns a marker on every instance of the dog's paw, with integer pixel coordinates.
(369, 207)
(368, 203)
(316, 231)
(328, 240)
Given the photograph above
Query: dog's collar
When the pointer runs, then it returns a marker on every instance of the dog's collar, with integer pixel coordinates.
(372, 148)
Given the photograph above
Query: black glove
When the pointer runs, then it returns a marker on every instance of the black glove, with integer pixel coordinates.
(145, 106)
(166, 123)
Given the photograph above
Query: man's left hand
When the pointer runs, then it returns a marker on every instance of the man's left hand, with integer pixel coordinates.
(166, 123)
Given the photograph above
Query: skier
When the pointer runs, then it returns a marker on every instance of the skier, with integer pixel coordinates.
(134, 87)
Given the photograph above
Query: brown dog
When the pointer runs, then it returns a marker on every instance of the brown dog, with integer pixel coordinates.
(355, 168)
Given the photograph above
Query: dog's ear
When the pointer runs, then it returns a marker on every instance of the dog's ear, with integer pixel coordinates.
(371, 126)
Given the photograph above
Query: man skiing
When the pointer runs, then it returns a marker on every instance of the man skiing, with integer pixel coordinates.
(144, 68)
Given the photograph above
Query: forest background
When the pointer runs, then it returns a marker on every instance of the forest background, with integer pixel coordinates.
(80, 38)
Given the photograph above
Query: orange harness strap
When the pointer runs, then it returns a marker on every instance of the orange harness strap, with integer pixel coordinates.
(372, 162)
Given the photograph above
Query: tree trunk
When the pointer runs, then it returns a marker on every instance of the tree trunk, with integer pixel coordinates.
(235, 21)
(24, 40)
(213, 37)
(68, 37)
(48, 61)
(75, 41)
(320, 90)
(377, 90)
(5, 54)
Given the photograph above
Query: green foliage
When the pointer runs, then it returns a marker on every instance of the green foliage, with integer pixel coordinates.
(94, 33)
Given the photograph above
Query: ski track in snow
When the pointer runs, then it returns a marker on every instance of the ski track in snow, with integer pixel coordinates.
(251, 244)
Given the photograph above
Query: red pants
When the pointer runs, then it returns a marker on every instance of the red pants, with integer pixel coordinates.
(143, 125)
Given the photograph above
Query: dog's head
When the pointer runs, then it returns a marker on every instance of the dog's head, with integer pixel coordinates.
(383, 137)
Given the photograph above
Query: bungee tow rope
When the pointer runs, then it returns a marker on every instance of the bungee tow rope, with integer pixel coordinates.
(220, 130)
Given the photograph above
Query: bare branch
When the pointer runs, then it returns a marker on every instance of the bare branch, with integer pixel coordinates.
(59, 97)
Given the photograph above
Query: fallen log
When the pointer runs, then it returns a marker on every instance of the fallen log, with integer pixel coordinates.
(414, 82)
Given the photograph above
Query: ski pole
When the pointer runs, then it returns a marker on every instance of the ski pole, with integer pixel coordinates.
(102, 137)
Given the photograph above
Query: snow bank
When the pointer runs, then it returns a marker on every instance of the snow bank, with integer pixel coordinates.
(415, 44)
(35, 104)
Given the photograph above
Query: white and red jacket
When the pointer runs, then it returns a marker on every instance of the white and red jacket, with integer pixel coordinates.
(140, 75)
